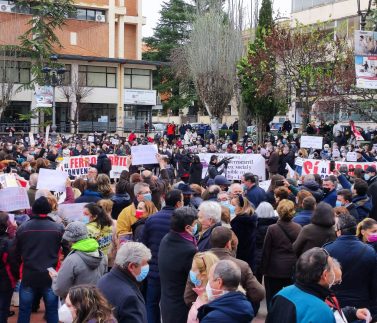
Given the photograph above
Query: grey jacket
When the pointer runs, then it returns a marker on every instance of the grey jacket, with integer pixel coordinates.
(79, 268)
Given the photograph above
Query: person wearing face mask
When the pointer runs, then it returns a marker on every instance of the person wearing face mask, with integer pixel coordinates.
(209, 218)
(305, 300)
(226, 304)
(197, 282)
(128, 217)
(84, 303)
(359, 266)
(155, 228)
(143, 211)
(187, 193)
(179, 244)
(329, 191)
(344, 198)
(121, 286)
(367, 232)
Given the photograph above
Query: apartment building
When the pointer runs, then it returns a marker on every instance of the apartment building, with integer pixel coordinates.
(342, 18)
(102, 47)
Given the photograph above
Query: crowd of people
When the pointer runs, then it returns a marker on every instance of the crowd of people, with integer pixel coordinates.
(163, 243)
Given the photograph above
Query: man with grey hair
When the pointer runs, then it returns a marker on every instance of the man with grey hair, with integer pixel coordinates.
(121, 285)
(235, 189)
(92, 173)
(128, 217)
(209, 217)
(226, 304)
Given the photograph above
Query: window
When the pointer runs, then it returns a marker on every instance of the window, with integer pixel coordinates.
(67, 75)
(87, 14)
(137, 79)
(15, 71)
(98, 76)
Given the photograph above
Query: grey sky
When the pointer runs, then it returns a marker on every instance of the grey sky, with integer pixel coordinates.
(151, 10)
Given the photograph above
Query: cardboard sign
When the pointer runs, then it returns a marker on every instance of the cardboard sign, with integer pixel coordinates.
(351, 156)
(91, 138)
(144, 154)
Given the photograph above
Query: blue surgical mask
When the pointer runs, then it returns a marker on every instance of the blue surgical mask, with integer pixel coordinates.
(143, 273)
(338, 203)
(147, 197)
(85, 219)
(367, 177)
(244, 187)
(230, 206)
(194, 229)
(194, 278)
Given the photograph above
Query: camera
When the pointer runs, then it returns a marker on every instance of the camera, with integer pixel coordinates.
(226, 161)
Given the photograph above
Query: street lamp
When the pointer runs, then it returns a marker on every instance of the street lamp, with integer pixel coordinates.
(363, 13)
(54, 77)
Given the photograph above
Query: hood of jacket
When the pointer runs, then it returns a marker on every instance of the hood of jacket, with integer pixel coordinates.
(119, 198)
(91, 259)
(232, 304)
(86, 245)
(311, 185)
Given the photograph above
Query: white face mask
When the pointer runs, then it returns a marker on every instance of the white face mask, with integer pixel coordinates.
(210, 295)
(65, 315)
(333, 279)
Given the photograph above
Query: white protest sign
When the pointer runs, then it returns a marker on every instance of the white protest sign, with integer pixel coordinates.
(8, 180)
(311, 142)
(265, 185)
(291, 171)
(299, 161)
(238, 165)
(47, 133)
(90, 138)
(31, 139)
(115, 141)
(14, 198)
(71, 212)
(351, 156)
(144, 154)
(52, 180)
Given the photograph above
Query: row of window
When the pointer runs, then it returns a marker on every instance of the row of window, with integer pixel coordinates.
(300, 5)
(79, 13)
(91, 76)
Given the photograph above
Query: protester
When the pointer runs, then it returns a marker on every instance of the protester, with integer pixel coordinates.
(318, 232)
(179, 244)
(121, 199)
(344, 198)
(209, 218)
(278, 257)
(90, 194)
(304, 217)
(253, 192)
(305, 300)
(367, 232)
(121, 285)
(85, 264)
(226, 304)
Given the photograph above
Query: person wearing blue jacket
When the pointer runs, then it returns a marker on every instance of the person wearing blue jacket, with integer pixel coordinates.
(226, 304)
(253, 192)
(304, 216)
(329, 189)
(359, 267)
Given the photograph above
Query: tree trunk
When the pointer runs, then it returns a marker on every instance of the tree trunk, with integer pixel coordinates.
(215, 126)
(242, 124)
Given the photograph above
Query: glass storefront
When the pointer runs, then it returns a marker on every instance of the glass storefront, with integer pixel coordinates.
(135, 117)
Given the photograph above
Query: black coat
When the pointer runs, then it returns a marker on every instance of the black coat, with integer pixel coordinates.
(245, 228)
(102, 160)
(173, 276)
(204, 241)
(122, 291)
(196, 173)
(262, 226)
(120, 201)
(9, 269)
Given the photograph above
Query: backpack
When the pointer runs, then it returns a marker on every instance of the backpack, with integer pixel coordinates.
(106, 165)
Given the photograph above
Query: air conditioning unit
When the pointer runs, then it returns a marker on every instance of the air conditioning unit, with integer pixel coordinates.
(101, 18)
(6, 7)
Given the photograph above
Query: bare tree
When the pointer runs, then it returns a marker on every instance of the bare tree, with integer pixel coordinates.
(213, 52)
(8, 69)
(76, 92)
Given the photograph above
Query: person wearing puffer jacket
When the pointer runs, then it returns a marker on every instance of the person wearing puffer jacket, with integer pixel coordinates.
(313, 187)
(85, 264)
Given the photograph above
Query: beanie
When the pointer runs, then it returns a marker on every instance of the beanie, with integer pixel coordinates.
(75, 231)
(41, 206)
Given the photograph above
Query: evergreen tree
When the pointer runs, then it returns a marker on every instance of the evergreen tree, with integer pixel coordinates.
(171, 32)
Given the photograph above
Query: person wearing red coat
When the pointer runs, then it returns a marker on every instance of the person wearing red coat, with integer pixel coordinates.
(131, 137)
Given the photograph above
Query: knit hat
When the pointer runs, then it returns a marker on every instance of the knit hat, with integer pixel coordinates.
(41, 206)
(75, 231)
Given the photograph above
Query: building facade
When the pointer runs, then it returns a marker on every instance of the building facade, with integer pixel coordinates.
(341, 19)
(102, 50)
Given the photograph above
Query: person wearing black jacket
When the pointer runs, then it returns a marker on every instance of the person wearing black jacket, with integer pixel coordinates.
(121, 199)
(103, 163)
(9, 270)
(196, 170)
(37, 244)
(213, 167)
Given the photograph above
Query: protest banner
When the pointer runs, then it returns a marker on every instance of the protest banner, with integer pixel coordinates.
(314, 142)
(144, 154)
(238, 166)
(52, 180)
(13, 199)
(265, 185)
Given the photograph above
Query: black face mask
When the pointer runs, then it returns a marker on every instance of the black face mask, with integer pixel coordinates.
(186, 200)
(326, 190)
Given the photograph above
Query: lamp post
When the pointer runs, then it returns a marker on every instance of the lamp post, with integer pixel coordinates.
(54, 77)
(363, 13)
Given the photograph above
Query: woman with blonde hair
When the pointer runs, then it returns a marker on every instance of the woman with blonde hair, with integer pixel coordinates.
(201, 264)
(104, 186)
(244, 225)
(278, 258)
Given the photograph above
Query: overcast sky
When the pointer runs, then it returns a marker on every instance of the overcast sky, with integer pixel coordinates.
(151, 10)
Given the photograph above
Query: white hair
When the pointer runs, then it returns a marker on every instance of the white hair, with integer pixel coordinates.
(33, 180)
(42, 192)
(265, 210)
(132, 252)
(211, 210)
(233, 186)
